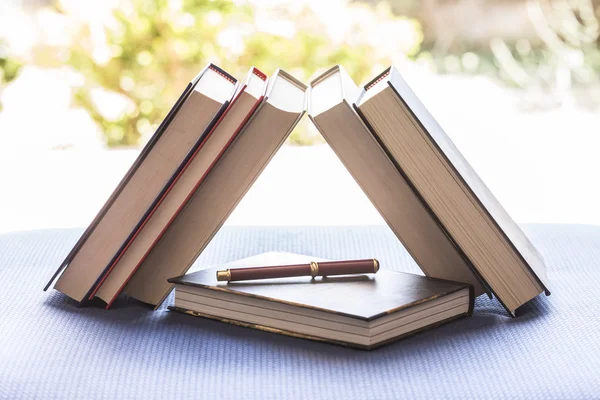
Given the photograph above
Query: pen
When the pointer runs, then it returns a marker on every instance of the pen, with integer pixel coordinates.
(314, 269)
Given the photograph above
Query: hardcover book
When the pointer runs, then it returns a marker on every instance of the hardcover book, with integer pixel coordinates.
(182, 131)
(330, 109)
(189, 178)
(208, 206)
(363, 311)
(498, 250)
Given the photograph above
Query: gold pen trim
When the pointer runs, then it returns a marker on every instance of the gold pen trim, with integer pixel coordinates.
(314, 269)
(224, 275)
(375, 266)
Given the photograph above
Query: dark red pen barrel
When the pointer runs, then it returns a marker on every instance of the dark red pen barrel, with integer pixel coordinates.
(281, 271)
(347, 267)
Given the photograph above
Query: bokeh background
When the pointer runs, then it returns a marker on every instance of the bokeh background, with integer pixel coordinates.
(84, 84)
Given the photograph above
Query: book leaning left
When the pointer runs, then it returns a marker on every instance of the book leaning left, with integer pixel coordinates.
(177, 139)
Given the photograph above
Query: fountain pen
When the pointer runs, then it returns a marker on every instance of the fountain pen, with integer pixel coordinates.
(314, 269)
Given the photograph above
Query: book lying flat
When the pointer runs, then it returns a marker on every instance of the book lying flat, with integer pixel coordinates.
(213, 201)
(184, 128)
(188, 179)
(330, 109)
(364, 311)
(497, 248)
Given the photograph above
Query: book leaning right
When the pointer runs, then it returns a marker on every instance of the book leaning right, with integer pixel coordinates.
(497, 249)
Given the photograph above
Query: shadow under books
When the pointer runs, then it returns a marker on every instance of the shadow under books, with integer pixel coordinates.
(130, 316)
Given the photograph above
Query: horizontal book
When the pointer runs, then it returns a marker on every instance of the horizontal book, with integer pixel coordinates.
(183, 130)
(364, 311)
(498, 250)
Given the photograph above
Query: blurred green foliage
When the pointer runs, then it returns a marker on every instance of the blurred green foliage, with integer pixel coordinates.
(129, 68)
(150, 49)
(147, 55)
(9, 68)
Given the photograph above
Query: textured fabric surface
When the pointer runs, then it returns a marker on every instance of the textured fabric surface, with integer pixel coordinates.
(51, 349)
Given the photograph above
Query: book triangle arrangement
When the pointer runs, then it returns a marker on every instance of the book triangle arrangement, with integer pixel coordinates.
(218, 138)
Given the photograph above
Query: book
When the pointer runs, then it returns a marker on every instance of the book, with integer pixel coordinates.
(363, 311)
(240, 109)
(184, 128)
(330, 108)
(211, 203)
(497, 248)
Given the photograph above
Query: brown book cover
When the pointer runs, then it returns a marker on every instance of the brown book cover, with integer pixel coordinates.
(363, 311)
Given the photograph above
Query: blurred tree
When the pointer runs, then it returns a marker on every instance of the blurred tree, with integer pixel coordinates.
(143, 58)
(550, 48)
(569, 54)
(135, 65)
(9, 68)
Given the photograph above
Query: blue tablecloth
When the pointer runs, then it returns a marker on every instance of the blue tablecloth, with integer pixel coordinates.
(51, 349)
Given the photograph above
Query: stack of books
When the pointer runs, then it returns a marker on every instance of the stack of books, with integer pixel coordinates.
(213, 145)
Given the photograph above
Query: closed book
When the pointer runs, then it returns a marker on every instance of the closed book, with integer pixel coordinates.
(247, 99)
(330, 108)
(209, 205)
(363, 311)
(498, 250)
(197, 109)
